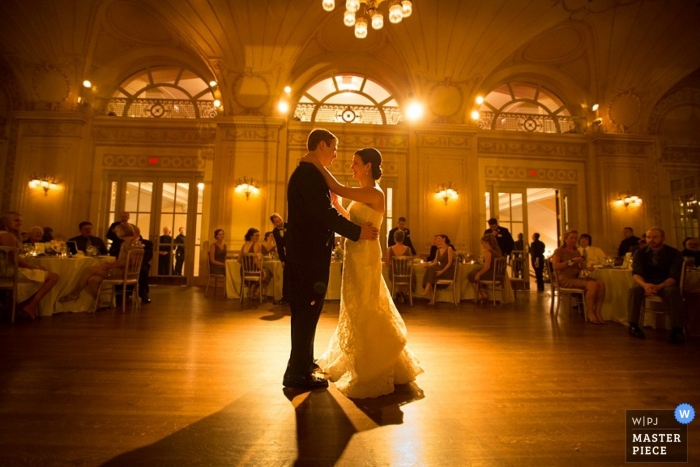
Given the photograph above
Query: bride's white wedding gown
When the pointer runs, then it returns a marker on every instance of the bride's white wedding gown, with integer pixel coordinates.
(367, 354)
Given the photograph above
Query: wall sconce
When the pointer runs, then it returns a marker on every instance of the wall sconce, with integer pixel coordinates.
(628, 200)
(47, 182)
(445, 191)
(247, 186)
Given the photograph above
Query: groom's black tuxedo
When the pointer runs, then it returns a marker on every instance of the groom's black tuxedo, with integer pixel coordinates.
(309, 242)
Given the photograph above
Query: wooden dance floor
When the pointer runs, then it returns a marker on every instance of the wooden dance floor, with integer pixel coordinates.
(192, 381)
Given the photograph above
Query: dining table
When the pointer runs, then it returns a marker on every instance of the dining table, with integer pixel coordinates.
(465, 290)
(274, 287)
(68, 269)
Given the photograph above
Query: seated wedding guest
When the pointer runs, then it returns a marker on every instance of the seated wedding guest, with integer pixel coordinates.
(433, 250)
(568, 262)
(36, 235)
(592, 255)
(628, 242)
(116, 244)
(91, 278)
(252, 245)
(503, 236)
(267, 246)
(641, 243)
(217, 253)
(48, 234)
(87, 239)
(656, 271)
(441, 267)
(486, 272)
(398, 249)
(691, 249)
(34, 282)
(407, 235)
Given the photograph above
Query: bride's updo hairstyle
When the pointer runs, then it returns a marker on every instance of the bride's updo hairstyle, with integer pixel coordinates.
(374, 157)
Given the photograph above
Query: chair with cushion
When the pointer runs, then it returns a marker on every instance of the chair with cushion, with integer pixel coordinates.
(132, 269)
(656, 303)
(519, 277)
(251, 274)
(9, 275)
(497, 283)
(451, 281)
(216, 278)
(401, 275)
(558, 291)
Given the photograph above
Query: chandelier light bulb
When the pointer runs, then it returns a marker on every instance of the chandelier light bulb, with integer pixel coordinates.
(328, 5)
(377, 21)
(475, 115)
(361, 28)
(87, 83)
(406, 8)
(352, 5)
(395, 13)
(349, 18)
(479, 100)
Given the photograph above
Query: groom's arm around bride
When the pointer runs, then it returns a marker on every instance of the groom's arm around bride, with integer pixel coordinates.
(312, 223)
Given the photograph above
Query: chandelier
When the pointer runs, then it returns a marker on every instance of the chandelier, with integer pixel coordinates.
(357, 12)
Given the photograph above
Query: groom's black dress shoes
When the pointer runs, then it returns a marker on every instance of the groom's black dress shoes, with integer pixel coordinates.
(305, 382)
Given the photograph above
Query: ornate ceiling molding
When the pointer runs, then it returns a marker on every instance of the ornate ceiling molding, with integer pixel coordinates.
(36, 128)
(164, 162)
(681, 154)
(239, 132)
(386, 141)
(181, 135)
(625, 148)
(682, 97)
(532, 148)
(500, 173)
(443, 139)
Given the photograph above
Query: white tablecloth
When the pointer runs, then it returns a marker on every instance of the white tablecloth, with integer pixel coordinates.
(274, 288)
(68, 270)
(465, 290)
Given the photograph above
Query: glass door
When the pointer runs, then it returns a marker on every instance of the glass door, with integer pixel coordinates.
(166, 209)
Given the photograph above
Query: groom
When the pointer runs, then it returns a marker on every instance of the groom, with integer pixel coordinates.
(312, 223)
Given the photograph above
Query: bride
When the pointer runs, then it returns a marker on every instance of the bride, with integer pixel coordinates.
(367, 354)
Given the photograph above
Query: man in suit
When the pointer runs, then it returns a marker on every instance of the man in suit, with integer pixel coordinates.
(537, 257)
(279, 233)
(656, 271)
(112, 234)
(503, 236)
(86, 239)
(180, 251)
(312, 223)
(165, 253)
(144, 289)
(407, 235)
(630, 241)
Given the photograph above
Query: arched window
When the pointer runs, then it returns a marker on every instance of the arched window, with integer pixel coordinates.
(163, 92)
(348, 99)
(520, 106)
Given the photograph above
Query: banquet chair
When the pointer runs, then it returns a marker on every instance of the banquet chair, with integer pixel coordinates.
(558, 291)
(449, 282)
(401, 274)
(132, 269)
(9, 274)
(657, 303)
(519, 276)
(216, 278)
(498, 282)
(250, 275)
